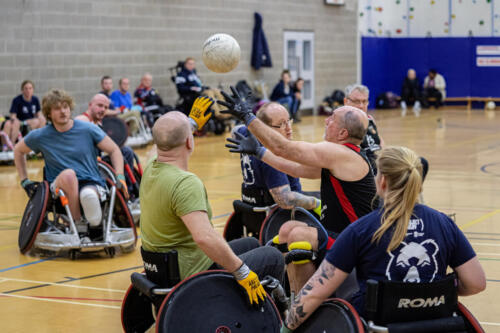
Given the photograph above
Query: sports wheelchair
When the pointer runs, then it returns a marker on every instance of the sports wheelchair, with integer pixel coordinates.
(116, 129)
(210, 301)
(246, 220)
(47, 226)
(397, 307)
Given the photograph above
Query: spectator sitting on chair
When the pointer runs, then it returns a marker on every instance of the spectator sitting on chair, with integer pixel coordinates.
(188, 84)
(426, 241)
(25, 108)
(410, 93)
(176, 214)
(123, 104)
(283, 91)
(298, 85)
(434, 87)
(263, 185)
(106, 88)
(147, 97)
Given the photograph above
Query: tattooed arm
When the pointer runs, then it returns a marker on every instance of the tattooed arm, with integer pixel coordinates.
(319, 287)
(287, 199)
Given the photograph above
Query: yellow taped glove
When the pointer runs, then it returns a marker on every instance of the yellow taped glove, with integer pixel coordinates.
(250, 282)
(199, 115)
(317, 210)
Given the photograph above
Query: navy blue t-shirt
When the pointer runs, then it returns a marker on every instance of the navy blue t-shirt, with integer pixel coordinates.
(261, 175)
(433, 242)
(23, 109)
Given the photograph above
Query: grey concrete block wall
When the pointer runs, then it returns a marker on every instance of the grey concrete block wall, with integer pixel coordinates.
(71, 44)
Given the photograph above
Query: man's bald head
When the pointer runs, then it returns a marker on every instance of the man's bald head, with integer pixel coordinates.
(268, 110)
(147, 80)
(354, 121)
(275, 115)
(171, 130)
(99, 98)
(98, 106)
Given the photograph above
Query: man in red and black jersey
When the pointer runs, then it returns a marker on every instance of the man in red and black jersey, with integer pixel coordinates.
(347, 181)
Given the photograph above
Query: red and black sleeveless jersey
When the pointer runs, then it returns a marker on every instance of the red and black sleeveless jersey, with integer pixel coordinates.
(343, 202)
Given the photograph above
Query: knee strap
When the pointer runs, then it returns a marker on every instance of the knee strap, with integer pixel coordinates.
(300, 253)
(91, 205)
(275, 242)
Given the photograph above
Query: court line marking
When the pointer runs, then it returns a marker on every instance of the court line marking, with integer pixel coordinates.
(73, 279)
(489, 323)
(485, 244)
(12, 217)
(487, 254)
(26, 264)
(486, 239)
(222, 215)
(480, 219)
(63, 285)
(9, 246)
(81, 298)
(61, 301)
(482, 233)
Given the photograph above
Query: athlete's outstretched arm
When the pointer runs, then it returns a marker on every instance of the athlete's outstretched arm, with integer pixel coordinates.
(291, 168)
(319, 155)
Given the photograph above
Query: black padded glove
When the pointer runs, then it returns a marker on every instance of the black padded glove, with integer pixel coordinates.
(238, 106)
(245, 145)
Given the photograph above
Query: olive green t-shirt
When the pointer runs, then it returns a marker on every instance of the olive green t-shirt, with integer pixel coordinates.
(167, 193)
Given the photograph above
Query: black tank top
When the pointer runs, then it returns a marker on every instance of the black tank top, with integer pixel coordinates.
(343, 202)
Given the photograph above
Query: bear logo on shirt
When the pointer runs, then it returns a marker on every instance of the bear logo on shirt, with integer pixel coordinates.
(411, 261)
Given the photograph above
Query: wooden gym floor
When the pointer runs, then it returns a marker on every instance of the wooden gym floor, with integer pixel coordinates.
(60, 295)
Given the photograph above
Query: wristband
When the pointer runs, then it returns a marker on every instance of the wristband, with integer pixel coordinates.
(249, 117)
(193, 124)
(242, 272)
(24, 181)
(120, 177)
(260, 152)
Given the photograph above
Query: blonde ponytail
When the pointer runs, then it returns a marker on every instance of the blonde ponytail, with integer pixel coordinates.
(402, 171)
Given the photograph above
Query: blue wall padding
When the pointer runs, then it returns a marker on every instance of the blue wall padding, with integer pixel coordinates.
(385, 62)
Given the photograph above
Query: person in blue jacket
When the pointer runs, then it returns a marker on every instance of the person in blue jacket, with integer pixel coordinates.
(283, 92)
(188, 84)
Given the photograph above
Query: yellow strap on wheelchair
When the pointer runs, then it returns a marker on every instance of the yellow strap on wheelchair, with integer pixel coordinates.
(302, 245)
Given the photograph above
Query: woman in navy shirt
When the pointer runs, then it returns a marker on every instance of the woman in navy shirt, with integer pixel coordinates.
(25, 108)
(401, 241)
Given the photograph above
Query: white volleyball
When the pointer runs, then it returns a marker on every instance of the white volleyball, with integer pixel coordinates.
(221, 53)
